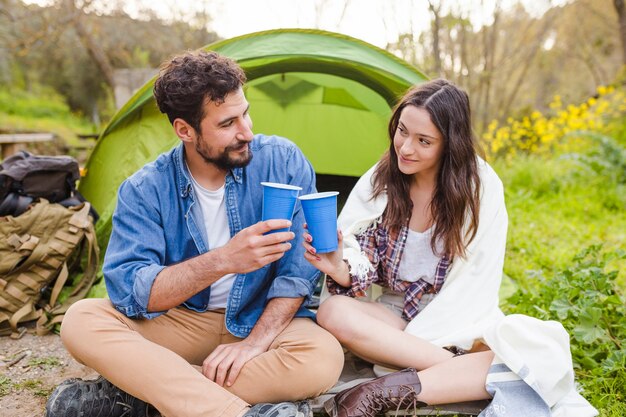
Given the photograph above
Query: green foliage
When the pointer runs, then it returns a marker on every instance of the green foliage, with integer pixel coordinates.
(6, 385)
(556, 207)
(35, 386)
(590, 304)
(45, 45)
(46, 363)
(42, 110)
(607, 394)
(45, 103)
(607, 158)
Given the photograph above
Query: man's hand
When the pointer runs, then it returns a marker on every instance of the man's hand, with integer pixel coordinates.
(247, 251)
(226, 361)
(251, 248)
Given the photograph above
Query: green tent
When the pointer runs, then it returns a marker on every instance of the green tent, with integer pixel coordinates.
(329, 93)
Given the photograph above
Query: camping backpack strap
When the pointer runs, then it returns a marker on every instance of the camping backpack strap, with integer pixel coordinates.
(5, 306)
(76, 199)
(26, 312)
(44, 323)
(14, 204)
(36, 263)
(20, 293)
(14, 302)
(80, 229)
(59, 283)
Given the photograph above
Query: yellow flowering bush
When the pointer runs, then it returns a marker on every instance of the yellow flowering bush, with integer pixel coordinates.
(546, 134)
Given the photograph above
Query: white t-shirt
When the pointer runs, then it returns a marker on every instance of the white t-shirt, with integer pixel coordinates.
(213, 207)
(418, 260)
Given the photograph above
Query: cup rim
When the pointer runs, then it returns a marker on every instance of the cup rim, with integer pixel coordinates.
(316, 196)
(282, 186)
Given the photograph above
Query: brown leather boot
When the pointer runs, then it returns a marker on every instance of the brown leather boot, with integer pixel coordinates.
(397, 390)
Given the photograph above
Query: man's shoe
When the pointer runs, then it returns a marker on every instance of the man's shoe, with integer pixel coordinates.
(397, 391)
(95, 398)
(286, 409)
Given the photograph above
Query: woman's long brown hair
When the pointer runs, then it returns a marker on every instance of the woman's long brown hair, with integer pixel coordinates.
(456, 198)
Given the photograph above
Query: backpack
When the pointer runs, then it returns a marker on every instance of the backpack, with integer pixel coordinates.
(25, 177)
(37, 250)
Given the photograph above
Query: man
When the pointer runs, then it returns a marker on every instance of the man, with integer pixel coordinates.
(206, 312)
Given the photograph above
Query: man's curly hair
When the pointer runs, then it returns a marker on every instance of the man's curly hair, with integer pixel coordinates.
(187, 80)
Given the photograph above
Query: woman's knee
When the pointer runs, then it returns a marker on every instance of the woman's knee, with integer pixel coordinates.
(335, 315)
(327, 312)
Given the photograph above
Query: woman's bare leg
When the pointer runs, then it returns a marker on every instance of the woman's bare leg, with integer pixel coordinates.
(459, 379)
(376, 334)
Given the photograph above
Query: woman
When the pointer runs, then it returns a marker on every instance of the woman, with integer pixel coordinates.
(428, 223)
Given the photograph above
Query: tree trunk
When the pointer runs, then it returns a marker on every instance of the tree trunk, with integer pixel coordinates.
(490, 45)
(95, 51)
(620, 7)
(464, 58)
(436, 27)
(505, 109)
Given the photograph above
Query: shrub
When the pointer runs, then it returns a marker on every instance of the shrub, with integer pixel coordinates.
(546, 134)
(587, 300)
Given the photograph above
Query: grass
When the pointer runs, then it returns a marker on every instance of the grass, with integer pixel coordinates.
(45, 363)
(556, 208)
(42, 111)
(35, 386)
(607, 394)
(6, 385)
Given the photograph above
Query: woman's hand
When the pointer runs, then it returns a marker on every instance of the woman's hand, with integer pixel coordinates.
(330, 263)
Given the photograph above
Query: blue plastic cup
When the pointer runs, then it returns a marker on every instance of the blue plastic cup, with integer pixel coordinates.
(279, 201)
(320, 212)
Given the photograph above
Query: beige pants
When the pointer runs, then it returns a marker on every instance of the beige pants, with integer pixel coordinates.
(154, 359)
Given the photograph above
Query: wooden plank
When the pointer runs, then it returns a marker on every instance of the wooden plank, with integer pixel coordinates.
(88, 136)
(26, 137)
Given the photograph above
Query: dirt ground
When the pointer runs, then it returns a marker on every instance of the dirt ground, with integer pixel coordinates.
(30, 368)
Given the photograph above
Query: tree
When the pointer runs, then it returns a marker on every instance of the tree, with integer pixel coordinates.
(620, 7)
(74, 46)
(96, 52)
(518, 62)
(436, 28)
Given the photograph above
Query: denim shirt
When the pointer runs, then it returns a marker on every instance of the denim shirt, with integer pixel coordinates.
(157, 223)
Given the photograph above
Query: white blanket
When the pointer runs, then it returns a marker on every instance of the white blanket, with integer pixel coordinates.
(466, 309)
(538, 352)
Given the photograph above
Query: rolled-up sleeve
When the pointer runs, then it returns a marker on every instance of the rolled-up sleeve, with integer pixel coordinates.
(135, 254)
(360, 281)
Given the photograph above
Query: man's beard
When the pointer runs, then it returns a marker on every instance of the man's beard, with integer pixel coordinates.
(224, 160)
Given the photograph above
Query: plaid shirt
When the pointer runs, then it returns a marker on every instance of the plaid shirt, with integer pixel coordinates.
(384, 250)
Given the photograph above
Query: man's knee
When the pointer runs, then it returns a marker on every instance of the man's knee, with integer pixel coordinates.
(326, 361)
(311, 354)
(332, 357)
(80, 322)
